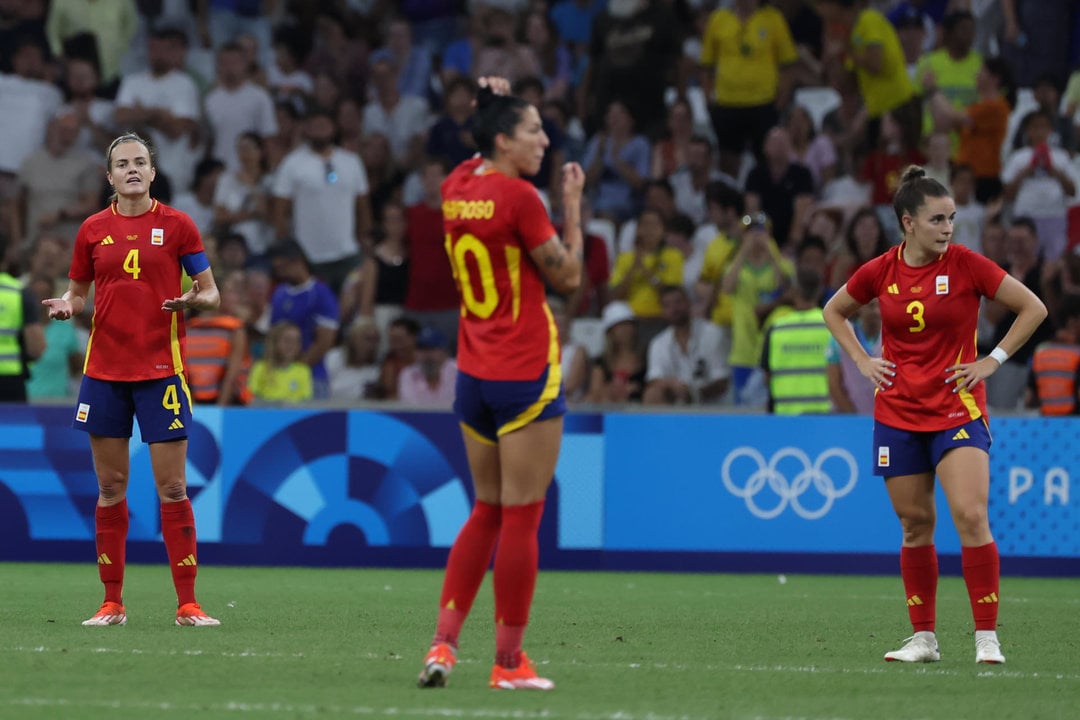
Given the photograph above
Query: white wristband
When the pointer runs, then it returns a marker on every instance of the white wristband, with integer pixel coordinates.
(1000, 355)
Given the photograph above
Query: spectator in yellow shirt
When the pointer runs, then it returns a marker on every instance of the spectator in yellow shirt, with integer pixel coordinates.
(281, 376)
(641, 272)
(746, 54)
(872, 51)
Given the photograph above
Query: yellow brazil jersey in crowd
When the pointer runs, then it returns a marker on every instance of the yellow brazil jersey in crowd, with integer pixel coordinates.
(891, 87)
(756, 285)
(718, 254)
(289, 384)
(663, 267)
(747, 55)
(954, 78)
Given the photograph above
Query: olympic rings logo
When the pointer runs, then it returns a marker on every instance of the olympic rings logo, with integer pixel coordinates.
(768, 473)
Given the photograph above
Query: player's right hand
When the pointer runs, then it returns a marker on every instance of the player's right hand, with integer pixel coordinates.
(573, 178)
(878, 371)
(59, 308)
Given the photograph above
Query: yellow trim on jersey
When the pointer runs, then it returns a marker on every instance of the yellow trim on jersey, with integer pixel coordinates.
(476, 436)
(89, 342)
(174, 344)
(551, 387)
(967, 398)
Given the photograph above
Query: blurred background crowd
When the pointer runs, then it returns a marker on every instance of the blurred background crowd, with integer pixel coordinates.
(740, 155)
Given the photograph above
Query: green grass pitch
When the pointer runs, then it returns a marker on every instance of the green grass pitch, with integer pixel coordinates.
(347, 643)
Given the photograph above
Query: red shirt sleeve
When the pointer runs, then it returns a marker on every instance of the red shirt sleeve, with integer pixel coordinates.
(986, 274)
(190, 240)
(533, 224)
(863, 284)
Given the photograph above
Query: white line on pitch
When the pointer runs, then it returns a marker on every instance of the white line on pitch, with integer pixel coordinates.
(355, 710)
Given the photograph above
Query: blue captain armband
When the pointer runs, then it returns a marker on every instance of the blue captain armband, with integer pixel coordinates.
(195, 263)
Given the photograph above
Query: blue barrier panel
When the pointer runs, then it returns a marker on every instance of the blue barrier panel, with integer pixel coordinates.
(632, 491)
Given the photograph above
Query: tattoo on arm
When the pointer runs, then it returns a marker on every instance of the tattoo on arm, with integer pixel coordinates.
(554, 259)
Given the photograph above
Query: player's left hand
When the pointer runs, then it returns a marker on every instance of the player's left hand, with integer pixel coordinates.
(185, 301)
(967, 375)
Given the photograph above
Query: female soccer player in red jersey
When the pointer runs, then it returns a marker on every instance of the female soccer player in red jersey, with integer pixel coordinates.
(133, 252)
(510, 402)
(930, 406)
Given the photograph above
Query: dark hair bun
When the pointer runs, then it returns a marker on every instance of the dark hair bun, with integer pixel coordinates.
(485, 98)
(912, 173)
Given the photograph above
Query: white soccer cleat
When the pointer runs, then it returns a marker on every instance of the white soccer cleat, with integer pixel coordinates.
(191, 615)
(988, 650)
(920, 647)
(110, 614)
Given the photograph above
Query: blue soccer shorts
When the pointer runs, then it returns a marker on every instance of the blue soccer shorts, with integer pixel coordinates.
(490, 408)
(108, 408)
(907, 452)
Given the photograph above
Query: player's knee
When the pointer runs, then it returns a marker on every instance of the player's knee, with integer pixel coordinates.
(917, 524)
(112, 486)
(970, 520)
(172, 490)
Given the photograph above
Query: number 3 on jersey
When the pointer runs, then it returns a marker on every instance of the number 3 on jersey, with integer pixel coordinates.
(916, 309)
(131, 263)
(480, 296)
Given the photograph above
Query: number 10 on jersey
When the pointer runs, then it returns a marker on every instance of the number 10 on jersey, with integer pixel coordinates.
(480, 296)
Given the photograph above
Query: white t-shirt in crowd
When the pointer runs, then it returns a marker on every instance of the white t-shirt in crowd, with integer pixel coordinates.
(176, 92)
(1040, 196)
(230, 113)
(26, 106)
(705, 360)
(323, 191)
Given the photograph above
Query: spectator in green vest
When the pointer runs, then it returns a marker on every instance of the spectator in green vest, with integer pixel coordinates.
(794, 354)
(22, 337)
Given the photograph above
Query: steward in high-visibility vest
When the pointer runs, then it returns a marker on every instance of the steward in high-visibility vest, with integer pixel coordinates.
(795, 353)
(216, 344)
(22, 336)
(11, 323)
(1055, 367)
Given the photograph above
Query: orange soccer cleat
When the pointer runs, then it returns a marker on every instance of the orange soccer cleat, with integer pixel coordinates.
(111, 613)
(523, 677)
(191, 615)
(437, 666)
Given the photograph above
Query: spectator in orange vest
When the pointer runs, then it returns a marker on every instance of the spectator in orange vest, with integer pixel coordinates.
(1054, 382)
(217, 350)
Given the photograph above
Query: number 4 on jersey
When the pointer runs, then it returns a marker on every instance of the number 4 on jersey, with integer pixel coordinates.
(131, 263)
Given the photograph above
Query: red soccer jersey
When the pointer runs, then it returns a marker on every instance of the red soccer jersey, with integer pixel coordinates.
(431, 281)
(134, 263)
(492, 222)
(928, 315)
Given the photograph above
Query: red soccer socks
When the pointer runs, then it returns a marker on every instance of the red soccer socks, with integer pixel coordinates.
(982, 575)
(465, 568)
(178, 531)
(111, 529)
(919, 569)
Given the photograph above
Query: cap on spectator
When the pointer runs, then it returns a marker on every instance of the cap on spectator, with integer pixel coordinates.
(908, 17)
(616, 312)
(430, 339)
(382, 55)
(757, 221)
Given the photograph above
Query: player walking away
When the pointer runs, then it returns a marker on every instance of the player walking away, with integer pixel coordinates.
(509, 398)
(930, 407)
(133, 252)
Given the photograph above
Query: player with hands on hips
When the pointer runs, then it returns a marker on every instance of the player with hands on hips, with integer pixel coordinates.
(930, 404)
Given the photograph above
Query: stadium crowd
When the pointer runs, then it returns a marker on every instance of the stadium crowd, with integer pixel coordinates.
(740, 161)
